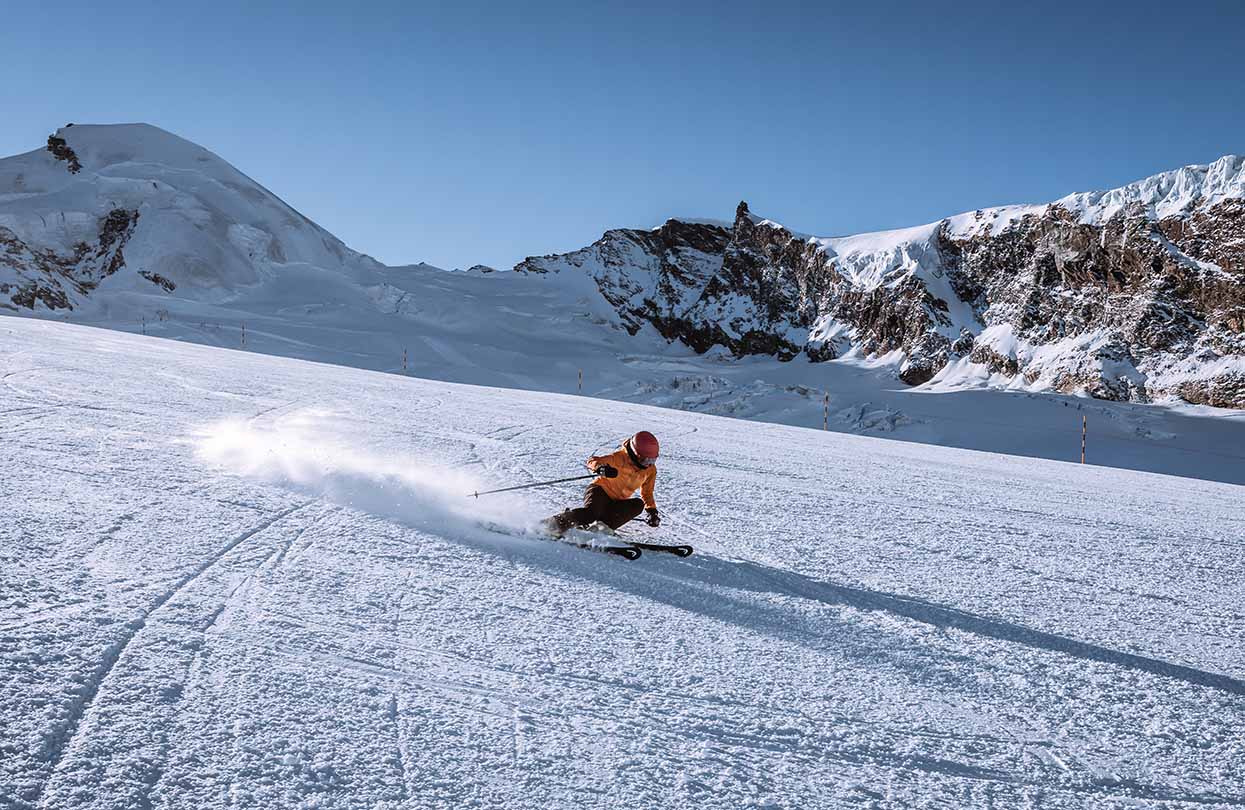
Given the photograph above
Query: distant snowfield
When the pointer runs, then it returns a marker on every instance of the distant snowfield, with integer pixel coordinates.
(542, 334)
(233, 580)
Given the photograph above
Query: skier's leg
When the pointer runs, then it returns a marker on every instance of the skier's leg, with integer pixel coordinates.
(620, 512)
(581, 516)
(596, 507)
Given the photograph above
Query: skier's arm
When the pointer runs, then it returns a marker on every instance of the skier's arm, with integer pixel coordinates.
(611, 461)
(646, 489)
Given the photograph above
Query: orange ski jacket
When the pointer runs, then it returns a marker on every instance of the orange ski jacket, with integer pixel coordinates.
(631, 477)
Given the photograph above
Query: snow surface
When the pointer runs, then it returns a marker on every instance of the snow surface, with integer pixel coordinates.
(539, 336)
(233, 580)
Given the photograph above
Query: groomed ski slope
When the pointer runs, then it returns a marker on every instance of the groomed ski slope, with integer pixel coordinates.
(234, 580)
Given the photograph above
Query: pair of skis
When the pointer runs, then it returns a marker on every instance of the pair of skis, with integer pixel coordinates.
(633, 550)
(601, 538)
(590, 538)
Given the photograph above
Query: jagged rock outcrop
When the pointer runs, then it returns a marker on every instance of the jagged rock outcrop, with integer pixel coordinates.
(30, 275)
(1123, 308)
(1135, 293)
(61, 151)
(651, 276)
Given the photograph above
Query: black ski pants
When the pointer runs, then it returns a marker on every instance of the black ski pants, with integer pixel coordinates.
(600, 506)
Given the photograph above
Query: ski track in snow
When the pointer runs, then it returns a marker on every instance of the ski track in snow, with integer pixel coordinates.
(307, 618)
(117, 650)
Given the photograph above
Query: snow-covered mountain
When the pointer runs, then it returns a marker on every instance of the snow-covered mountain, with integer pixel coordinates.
(1132, 294)
(134, 208)
(1136, 293)
(129, 227)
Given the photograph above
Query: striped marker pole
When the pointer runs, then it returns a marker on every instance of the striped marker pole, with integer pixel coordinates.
(1082, 439)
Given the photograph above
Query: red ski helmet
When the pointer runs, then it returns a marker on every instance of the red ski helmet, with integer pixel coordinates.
(645, 447)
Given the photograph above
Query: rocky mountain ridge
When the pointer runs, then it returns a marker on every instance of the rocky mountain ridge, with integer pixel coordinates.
(1132, 294)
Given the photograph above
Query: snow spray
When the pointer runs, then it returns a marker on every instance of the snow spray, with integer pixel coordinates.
(302, 452)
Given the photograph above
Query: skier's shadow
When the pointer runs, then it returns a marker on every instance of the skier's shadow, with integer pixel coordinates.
(726, 590)
(702, 584)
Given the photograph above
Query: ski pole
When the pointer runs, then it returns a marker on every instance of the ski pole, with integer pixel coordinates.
(529, 486)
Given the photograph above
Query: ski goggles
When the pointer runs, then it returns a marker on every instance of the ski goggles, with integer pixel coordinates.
(646, 461)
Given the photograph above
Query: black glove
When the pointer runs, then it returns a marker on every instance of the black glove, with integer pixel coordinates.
(654, 519)
(606, 471)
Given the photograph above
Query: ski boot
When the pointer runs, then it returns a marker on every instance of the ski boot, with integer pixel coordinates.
(559, 524)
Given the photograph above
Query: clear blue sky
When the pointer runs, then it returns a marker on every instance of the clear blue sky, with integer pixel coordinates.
(459, 133)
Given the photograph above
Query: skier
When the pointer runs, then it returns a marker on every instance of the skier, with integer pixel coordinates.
(608, 499)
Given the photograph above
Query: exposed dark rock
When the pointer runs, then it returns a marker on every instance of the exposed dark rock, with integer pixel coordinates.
(1223, 391)
(43, 276)
(675, 262)
(159, 280)
(1052, 278)
(993, 360)
(51, 297)
(61, 151)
